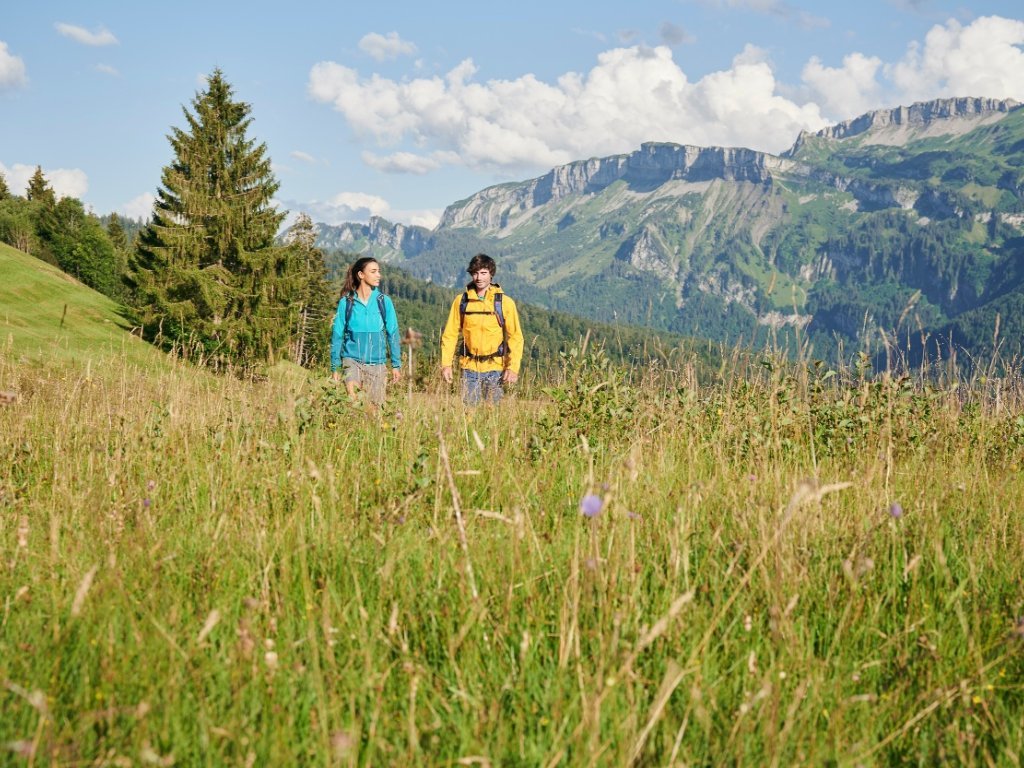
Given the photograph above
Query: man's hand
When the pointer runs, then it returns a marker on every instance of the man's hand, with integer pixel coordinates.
(336, 376)
(446, 373)
(509, 377)
(396, 375)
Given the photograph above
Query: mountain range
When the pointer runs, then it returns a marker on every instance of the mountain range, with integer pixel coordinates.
(902, 227)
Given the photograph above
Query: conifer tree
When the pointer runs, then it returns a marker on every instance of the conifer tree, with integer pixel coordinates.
(39, 190)
(116, 233)
(314, 298)
(207, 276)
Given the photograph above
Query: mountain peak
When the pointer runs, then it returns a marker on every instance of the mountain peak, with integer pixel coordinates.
(923, 119)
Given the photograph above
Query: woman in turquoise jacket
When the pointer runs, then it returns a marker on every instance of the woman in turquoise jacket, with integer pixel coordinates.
(365, 326)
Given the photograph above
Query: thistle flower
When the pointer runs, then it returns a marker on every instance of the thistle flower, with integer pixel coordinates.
(591, 505)
(895, 510)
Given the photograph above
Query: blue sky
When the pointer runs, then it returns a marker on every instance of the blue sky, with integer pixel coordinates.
(398, 109)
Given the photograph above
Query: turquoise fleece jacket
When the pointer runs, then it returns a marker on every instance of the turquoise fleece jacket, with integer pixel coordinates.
(366, 339)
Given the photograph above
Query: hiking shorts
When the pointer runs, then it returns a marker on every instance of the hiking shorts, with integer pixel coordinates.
(371, 379)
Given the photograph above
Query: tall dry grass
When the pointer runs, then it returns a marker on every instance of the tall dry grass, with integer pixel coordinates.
(780, 565)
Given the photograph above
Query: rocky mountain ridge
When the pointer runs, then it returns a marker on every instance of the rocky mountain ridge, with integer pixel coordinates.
(947, 115)
(732, 239)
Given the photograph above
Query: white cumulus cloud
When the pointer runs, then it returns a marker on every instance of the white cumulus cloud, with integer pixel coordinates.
(630, 96)
(636, 94)
(383, 47)
(358, 207)
(65, 182)
(983, 58)
(139, 207)
(101, 36)
(849, 90)
(12, 69)
(347, 206)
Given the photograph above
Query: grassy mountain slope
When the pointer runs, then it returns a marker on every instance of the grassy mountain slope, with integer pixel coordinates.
(46, 315)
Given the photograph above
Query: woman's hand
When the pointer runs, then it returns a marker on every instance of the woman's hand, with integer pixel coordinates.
(396, 375)
(336, 376)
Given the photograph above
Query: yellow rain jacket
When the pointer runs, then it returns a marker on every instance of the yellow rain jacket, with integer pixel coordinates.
(482, 334)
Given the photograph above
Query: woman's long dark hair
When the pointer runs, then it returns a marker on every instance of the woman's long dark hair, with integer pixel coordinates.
(352, 280)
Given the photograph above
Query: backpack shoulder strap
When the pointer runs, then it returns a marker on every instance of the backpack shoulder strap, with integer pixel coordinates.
(349, 301)
(498, 310)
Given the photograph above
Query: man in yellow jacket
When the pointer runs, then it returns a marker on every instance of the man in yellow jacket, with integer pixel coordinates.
(492, 348)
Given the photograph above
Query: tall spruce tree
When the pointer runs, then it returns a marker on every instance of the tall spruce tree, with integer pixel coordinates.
(314, 298)
(207, 277)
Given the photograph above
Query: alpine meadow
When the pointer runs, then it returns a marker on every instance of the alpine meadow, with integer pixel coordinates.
(659, 550)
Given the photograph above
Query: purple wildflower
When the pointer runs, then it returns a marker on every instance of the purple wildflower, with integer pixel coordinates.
(895, 510)
(145, 502)
(591, 505)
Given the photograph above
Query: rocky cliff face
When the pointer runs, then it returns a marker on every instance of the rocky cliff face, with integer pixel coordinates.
(938, 117)
(653, 165)
(378, 235)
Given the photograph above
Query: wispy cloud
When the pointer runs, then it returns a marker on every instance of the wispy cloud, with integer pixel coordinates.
(673, 34)
(12, 69)
(383, 47)
(601, 37)
(101, 36)
(778, 8)
(106, 69)
(404, 162)
(305, 157)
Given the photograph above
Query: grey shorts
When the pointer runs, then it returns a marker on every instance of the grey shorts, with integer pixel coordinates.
(371, 379)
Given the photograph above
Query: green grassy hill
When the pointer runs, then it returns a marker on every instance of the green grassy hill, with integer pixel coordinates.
(46, 315)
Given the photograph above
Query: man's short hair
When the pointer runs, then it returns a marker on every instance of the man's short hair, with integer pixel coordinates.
(482, 261)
